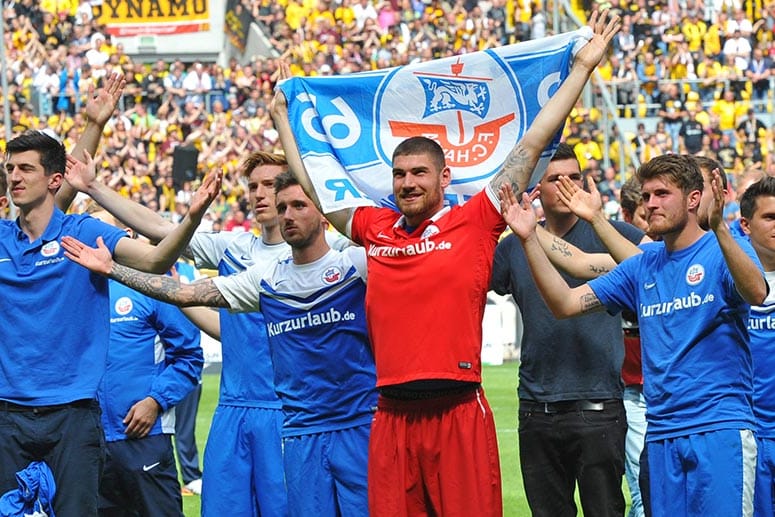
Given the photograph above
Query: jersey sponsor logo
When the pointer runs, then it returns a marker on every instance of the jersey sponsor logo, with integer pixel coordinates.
(146, 468)
(123, 306)
(332, 275)
(649, 285)
(311, 319)
(50, 249)
(418, 248)
(761, 323)
(695, 274)
(679, 303)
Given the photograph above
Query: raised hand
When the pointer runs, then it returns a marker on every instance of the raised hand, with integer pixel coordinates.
(603, 32)
(101, 105)
(520, 218)
(206, 193)
(716, 213)
(98, 260)
(80, 174)
(279, 103)
(584, 204)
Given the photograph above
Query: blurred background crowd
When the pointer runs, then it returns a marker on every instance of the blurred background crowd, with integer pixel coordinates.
(688, 76)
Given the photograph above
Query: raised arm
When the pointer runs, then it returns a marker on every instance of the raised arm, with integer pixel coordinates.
(160, 287)
(279, 112)
(567, 257)
(97, 112)
(205, 318)
(561, 299)
(524, 156)
(749, 280)
(81, 175)
(588, 206)
(160, 258)
(575, 262)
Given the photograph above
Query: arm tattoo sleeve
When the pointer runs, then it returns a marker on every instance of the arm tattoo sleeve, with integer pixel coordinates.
(589, 302)
(516, 171)
(167, 289)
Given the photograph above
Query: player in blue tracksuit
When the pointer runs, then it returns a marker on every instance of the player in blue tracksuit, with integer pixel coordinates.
(691, 293)
(324, 369)
(154, 361)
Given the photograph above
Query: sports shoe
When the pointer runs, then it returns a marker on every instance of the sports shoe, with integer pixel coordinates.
(195, 487)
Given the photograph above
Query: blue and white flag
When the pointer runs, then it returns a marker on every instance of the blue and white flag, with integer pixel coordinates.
(476, 106)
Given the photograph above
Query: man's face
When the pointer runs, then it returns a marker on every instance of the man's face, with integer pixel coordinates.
(550, 199)
(418, 186)
(300, 221)
(761, 227)
(666, 206)
(27, 181)
(261, 192)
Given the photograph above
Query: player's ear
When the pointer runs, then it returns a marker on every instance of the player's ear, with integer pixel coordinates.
(55, 181)
(745, 224)
(446, 176)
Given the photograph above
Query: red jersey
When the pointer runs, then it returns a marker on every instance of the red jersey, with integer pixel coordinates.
(426, 291)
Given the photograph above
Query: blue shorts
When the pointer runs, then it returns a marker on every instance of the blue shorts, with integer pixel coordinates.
(702, 474)
(243, 463)
(326, 472)
(763, 494)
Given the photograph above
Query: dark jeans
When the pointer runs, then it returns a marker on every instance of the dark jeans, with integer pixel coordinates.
(185, 435)
(141, 479)
(71, 442)
(559, 449)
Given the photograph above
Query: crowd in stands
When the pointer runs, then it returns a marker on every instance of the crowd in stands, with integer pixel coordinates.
(702, 69)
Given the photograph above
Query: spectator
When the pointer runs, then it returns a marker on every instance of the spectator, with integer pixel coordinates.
(759, 72)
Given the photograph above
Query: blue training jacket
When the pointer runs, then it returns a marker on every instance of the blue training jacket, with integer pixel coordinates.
(154, 351)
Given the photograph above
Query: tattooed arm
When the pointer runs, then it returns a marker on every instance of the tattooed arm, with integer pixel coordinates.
(521, 161)
(161, 287)
(167, 289)
(572, 260)
(561, 299)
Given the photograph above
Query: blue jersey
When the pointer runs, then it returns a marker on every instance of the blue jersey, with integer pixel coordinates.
(53, 313)
(324, 367)
(761, 327)
(140, 365)
(697, 371)
(247, 378)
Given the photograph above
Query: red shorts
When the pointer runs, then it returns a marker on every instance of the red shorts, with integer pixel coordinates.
(434, 457)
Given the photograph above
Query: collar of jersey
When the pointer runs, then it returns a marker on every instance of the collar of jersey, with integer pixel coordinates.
(401, 223)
